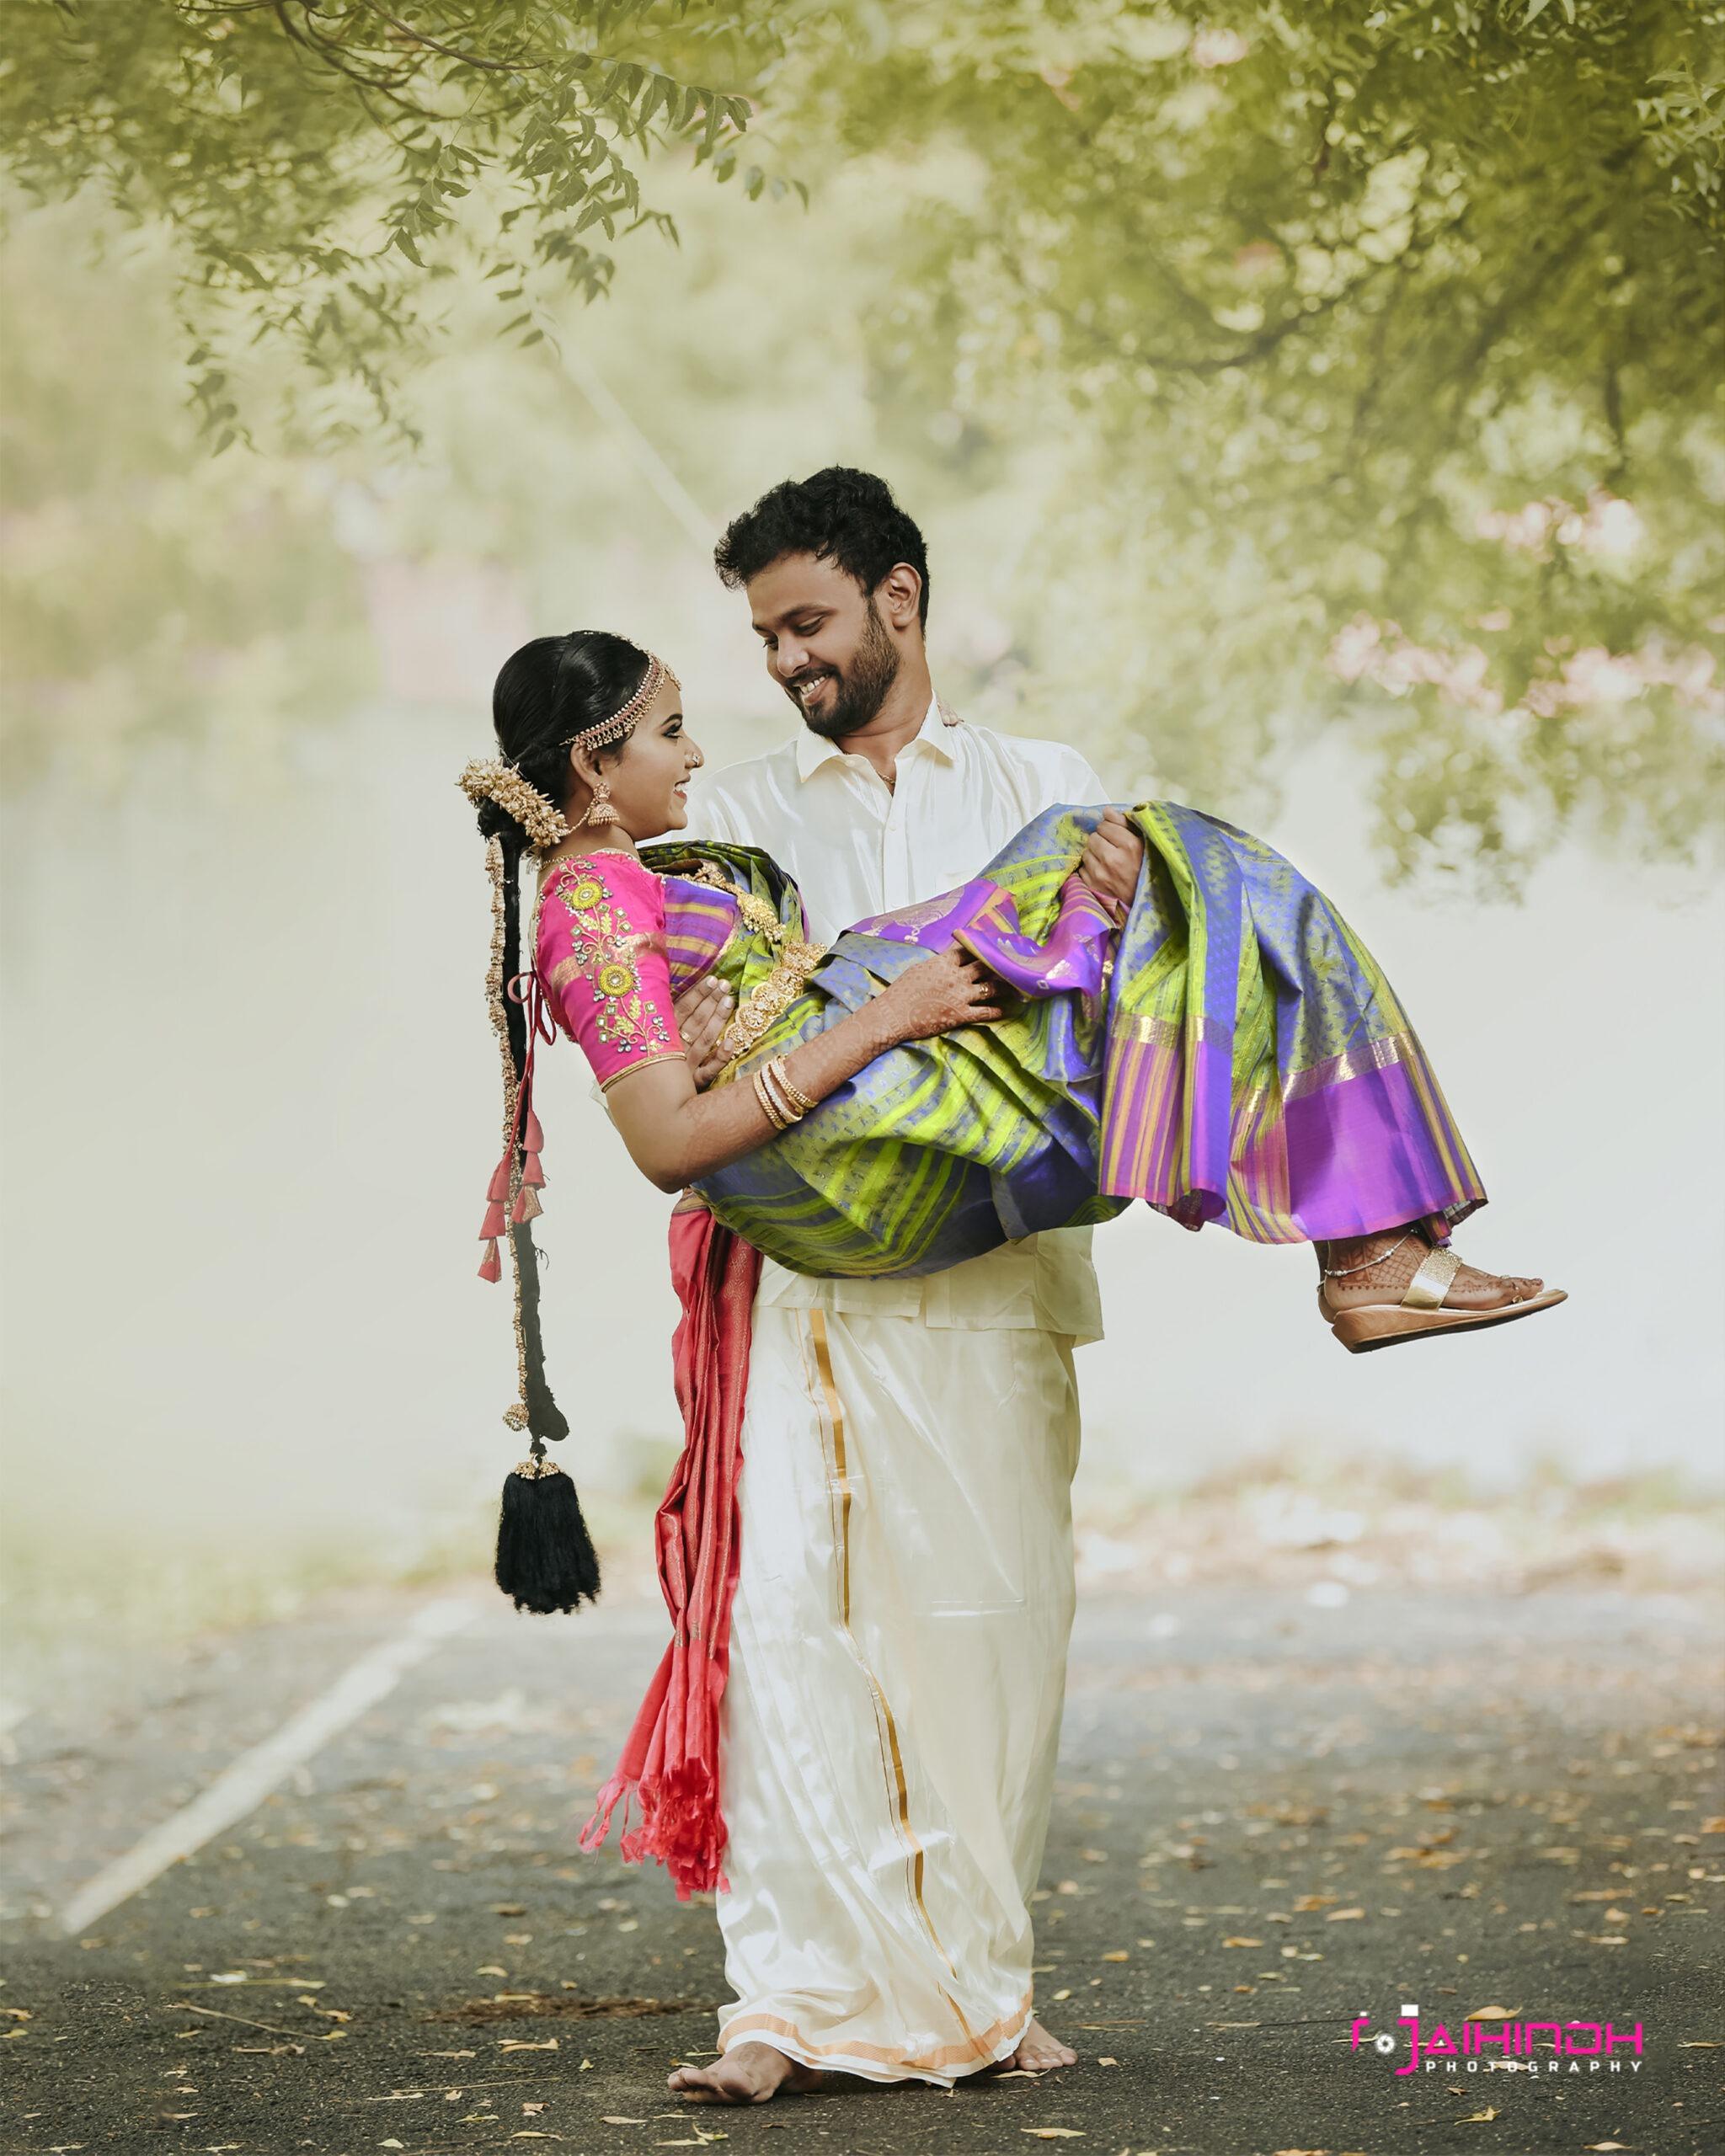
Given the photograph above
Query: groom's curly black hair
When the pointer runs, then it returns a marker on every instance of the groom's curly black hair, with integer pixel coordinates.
(843, 517)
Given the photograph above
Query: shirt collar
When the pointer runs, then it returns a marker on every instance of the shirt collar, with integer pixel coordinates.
(934, 735)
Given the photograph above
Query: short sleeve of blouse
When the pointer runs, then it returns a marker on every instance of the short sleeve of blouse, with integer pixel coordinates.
(601, 958)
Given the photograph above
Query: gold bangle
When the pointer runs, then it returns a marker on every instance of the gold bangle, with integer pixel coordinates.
(791, 1093)
(775, 1078)
(798, 1099)
(769, 1106)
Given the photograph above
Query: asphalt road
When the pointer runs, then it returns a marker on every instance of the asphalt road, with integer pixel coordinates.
(1274, 1817)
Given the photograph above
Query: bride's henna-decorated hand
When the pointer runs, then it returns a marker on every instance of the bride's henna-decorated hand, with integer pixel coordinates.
(950, 989)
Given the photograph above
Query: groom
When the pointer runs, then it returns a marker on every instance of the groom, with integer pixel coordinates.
(900, 1632)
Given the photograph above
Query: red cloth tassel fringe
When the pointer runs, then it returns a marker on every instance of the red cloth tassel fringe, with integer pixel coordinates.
(670, 1763)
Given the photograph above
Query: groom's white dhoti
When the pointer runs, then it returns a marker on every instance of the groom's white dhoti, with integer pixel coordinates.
(898, 1640)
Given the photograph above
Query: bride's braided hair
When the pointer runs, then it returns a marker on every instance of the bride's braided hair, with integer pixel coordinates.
(551, 691)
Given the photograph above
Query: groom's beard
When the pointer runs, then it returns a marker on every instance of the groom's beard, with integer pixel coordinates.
(861, 687)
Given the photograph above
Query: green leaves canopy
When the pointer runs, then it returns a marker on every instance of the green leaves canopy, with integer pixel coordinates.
(1384, 349)
(315, 157)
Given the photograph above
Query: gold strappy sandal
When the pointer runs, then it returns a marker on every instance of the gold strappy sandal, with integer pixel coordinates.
(1420, 1313)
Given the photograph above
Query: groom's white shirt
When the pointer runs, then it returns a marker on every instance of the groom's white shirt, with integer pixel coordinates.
(856, 846)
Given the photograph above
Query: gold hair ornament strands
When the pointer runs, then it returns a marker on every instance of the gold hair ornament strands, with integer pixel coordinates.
(501, 783)
(515, 1414)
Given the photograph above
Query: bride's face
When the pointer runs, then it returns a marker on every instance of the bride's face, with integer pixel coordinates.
(649, 779)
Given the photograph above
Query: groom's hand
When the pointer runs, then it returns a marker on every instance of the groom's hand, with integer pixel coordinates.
(1112, 858)
(702, 1013)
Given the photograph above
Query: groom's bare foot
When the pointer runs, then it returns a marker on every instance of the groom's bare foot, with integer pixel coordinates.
(1038, 2053)
(747, 2073)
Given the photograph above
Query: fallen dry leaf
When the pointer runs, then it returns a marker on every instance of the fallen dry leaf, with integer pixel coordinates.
(614, 2118)
(1492, 2014)
(1107, 2061)
(1342, 1916)
(1475, 2118)
(1242, 1942)
(1307, 1902)
(1053, 2132)
(1593, 2145)
(520, 2044)
(1120, 1956)
(1714, 1826)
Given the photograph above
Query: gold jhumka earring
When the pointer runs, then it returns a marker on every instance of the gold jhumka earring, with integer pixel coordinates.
(599, 809)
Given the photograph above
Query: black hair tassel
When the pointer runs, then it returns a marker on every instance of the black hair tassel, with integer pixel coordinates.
(546, 1560)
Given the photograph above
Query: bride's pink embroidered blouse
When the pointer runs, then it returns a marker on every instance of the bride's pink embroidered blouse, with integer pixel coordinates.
(601, 956)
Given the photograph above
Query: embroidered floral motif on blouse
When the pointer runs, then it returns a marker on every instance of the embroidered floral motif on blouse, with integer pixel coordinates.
(605, 947)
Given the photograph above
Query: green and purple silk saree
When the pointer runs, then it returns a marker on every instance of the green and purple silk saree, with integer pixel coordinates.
(1235, 1054)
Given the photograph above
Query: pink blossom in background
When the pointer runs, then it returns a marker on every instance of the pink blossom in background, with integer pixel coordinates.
(1596, 676)
(1609, 526)
(1367, 650)
(1377, 652)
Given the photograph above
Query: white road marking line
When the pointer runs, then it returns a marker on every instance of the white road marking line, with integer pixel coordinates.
(240, 1788)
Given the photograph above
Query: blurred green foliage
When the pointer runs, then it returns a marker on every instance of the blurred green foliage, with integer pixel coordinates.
(1386, 346)
(147, 586)
(1339, 365)
(317, 158)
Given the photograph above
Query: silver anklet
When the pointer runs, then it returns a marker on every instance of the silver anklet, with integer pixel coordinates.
(1342, 1272)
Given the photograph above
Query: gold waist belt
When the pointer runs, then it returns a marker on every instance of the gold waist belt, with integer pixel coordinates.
(768, 999)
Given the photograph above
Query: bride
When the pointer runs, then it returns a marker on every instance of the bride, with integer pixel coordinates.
(1021, 1053)
(1003, 1060)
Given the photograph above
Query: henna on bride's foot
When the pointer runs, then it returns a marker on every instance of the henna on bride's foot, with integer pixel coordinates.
(747, 2073)
(1379, 1269)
